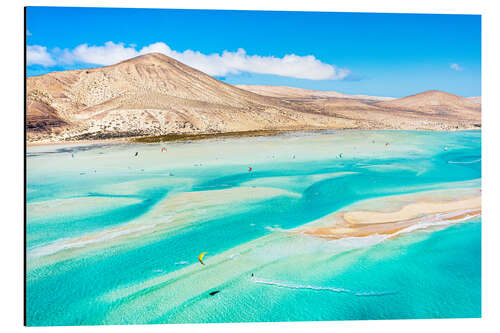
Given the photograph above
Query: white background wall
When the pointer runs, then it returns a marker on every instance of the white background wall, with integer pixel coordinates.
(11, 155)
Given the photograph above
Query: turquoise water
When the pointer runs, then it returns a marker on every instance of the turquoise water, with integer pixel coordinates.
(155, 277)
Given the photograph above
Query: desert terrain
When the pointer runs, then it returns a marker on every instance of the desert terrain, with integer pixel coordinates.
(154, 95)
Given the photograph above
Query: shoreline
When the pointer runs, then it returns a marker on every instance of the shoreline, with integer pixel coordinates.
(409, 213)
(187, 137)
(70, 142)
(173, 137)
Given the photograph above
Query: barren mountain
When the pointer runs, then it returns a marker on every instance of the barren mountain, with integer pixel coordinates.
(292, 93)
(152, 95)
(475, 99)
(157, 95)
(434, 102)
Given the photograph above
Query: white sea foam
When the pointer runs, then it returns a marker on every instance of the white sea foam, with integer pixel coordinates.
(465, 162)
(437, 220)
(292, 285)
(375, 293)
(298, 286)
(274, 228)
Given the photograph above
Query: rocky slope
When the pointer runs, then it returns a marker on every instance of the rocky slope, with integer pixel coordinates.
(151, 95)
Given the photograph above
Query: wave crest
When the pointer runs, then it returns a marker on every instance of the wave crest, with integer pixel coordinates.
(292, 285)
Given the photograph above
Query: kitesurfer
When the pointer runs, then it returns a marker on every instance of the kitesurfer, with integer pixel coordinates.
(200, 258)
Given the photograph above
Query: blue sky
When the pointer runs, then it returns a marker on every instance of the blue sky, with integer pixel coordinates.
(361, 53)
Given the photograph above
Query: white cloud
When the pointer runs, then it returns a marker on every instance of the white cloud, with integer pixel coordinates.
(456, 67)
(108, 54)
(38, 55)
(291, 65)
(28, 33)
(302, 67)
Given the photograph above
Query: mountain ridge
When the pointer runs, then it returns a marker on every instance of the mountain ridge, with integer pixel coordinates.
(433, 102)
(154, 95)
(294, 92)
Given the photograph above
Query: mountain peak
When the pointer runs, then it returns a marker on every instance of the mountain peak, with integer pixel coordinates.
(435, 92)
(431, 101)
(149, 58)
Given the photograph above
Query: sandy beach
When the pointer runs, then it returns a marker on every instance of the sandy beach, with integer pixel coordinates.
(439, 208)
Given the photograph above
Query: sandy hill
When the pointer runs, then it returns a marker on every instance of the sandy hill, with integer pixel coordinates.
(435, 102)
(288, 92)
(475, 99)
(157, 95)
(152, 95)
(294, 93)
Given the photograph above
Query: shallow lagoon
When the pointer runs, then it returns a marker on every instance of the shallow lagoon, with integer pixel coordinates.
(113, 238)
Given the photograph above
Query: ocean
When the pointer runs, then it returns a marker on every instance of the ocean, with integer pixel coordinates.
(114, 230)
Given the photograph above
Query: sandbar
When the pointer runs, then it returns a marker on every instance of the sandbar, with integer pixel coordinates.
(438, 209)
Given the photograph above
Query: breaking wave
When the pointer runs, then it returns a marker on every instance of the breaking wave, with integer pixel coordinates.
(465, 162)
(290, 285)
